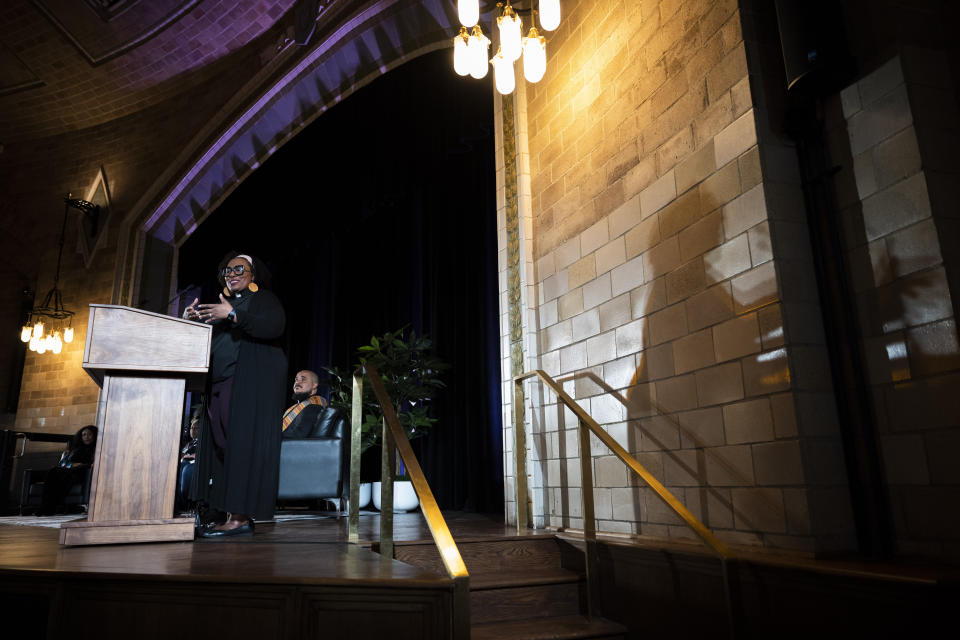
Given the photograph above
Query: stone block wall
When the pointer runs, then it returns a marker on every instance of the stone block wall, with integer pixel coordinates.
(659, 207)
(904, 240)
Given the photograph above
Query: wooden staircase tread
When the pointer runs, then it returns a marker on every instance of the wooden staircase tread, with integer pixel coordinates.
(546, 535)
(506, 579)
(556, 628)
(490, 555)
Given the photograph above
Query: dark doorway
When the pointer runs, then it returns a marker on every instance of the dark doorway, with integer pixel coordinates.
(382, 214)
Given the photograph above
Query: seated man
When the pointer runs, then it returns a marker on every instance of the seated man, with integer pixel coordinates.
(298, 420)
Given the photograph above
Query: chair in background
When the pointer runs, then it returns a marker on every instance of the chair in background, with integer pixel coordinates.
(317, 467)
(31, 490)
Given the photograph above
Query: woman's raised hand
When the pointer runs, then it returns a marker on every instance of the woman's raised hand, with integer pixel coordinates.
(214, 312)
(190, 313)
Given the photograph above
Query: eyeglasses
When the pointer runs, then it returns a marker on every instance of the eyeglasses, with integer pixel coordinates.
(237, 270)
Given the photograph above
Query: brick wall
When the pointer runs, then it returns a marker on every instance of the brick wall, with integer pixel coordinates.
(665, 253)
(56, 394)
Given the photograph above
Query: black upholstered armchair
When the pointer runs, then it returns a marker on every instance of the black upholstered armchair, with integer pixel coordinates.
(317, 467)
(31, 490)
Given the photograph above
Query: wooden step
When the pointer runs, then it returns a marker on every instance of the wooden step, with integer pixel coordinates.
(521, 601)
(512, 578)
(558, 628)
(500, 579)
(486, 555)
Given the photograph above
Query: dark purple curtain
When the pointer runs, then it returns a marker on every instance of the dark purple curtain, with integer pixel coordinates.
(378, 215)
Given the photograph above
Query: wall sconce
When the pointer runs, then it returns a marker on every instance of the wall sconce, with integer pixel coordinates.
(468, 47)
(51, 310)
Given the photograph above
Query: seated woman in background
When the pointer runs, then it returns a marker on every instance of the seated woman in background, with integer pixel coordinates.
(188, 458)
(73, 468)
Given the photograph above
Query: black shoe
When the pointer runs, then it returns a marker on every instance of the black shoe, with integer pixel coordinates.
(207, 517)
(246, 529)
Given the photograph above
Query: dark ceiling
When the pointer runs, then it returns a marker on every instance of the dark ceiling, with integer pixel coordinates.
(72, 64)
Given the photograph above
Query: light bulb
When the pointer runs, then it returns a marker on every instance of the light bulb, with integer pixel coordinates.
(57, 343)
(33, 343)
(534, 56)
(26, 333)
(469, 12)
(38, 330)
(68, 334)
(41, 345)
(477, 48)
(503, 75)
(549, 14)
(461, 56)
(510, 33)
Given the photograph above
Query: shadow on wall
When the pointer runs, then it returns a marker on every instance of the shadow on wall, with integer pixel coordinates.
(670, 401)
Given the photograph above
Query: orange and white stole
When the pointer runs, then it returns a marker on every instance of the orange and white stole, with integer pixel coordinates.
(290, 414)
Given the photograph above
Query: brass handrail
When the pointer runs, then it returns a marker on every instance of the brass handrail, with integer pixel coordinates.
(394, 436)
(587, 421)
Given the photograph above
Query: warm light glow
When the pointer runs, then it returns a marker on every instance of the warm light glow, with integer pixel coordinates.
(510, 33)
(26, 333)
(549, 14)
(534, 56)
(41, 345)
(469, 12)
(461, 56)
(33, 343)
(68, 334)
(38, 330)
(56, 343)
(471, 47)
(503, 75)
(477, 48)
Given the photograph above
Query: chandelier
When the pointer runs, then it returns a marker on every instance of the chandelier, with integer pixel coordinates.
(50, 324)
(471, 47)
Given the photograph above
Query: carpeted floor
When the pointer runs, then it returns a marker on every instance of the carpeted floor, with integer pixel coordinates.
(55, 521)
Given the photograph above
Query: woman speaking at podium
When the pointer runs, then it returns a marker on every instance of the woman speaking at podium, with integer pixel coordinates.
(238, 459)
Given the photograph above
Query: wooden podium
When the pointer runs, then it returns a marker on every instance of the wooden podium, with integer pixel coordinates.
(144, 362)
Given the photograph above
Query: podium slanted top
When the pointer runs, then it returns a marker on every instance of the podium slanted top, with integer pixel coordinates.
(126, 339)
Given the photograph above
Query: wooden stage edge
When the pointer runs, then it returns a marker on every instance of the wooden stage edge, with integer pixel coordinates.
(313, 548)
(291, 580)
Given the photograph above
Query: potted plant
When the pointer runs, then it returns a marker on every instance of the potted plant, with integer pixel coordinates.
(411, 375)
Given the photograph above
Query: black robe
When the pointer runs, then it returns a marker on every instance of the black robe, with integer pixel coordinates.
(246, 479)
(305, 423)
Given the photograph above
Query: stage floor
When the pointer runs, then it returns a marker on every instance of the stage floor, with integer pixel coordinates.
(298, 577)
(300, 547)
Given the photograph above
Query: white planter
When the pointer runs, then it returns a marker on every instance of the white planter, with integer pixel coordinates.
(365, 490)
(404, 497)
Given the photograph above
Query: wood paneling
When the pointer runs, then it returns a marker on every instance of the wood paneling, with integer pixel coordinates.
(137, 458)
(249, 588)
(125, 339)
(142, 361)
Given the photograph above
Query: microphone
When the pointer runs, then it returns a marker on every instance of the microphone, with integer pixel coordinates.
(179, 293)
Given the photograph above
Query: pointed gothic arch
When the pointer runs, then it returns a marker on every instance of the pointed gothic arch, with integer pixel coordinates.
(352, 47)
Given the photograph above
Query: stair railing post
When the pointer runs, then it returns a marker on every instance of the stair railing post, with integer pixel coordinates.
(732, 597)
(356, 418)
(387, 469)
(591, 555)
(461, 608)
(520, 457)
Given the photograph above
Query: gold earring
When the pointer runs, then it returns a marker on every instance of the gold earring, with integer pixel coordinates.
(253, 287)
(226, 291)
